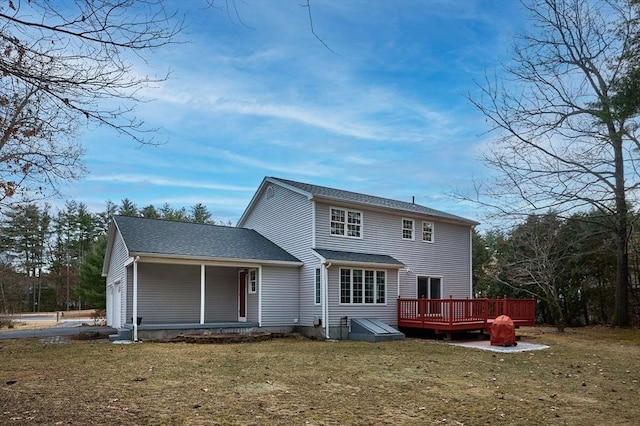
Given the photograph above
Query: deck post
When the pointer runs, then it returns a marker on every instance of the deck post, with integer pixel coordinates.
(486, 312)
(505, 305)
(422, 310)
(450, 311)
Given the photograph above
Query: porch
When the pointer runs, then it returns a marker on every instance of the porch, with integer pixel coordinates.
(163, 331)
(451, 315)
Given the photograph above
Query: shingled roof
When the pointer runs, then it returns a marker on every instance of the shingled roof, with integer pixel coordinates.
(338, 195)
(349, 257)
(144, 236)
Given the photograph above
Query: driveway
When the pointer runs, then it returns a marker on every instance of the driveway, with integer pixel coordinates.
(68, 327)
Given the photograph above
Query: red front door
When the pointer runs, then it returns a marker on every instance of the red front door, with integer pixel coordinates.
(242, 296)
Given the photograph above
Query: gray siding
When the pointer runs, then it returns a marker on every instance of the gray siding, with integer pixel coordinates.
(447, 257)
(171, 294)
(280, 296)
(221, 294)
(286, 219)
(116, 272)
(387, 313)
(168, 293)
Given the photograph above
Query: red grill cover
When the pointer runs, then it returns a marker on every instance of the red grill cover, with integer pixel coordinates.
(503, 333)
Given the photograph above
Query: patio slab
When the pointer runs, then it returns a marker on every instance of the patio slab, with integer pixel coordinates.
(485, 345)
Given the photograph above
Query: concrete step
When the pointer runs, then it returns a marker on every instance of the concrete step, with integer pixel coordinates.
(123, 334)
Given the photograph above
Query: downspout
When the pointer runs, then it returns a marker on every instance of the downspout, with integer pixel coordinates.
(325, 299)
(135, 299)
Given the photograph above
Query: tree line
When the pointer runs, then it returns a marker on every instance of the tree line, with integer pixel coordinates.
(52, 260)
(567, 264)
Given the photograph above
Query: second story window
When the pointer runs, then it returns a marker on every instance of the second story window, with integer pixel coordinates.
(407, 229)
(346, 222)
(427, 232)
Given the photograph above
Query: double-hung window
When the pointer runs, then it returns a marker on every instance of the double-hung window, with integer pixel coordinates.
(346, 222)
(407, 229)
(363, 286)
(427, 232)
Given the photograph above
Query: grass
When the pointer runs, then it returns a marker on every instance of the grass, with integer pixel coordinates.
(589, 376)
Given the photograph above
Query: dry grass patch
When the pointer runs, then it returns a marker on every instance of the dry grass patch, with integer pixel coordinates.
(588, 377)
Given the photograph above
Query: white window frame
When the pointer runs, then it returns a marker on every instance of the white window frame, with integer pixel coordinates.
(412, 229)
(377, 273)
(429, 278)
(345, 224)
(431, 232)
(270, 192)
(317, 294)
(252, 281)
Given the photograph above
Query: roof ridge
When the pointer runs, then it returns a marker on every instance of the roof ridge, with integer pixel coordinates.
(371, 200)
(161, 219)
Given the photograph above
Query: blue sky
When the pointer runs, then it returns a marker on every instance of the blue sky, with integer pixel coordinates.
(385, 113)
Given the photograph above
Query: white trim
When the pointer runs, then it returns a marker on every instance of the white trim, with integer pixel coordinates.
(202, 293)
(325, 298)
(346, 222)
(134, 318)
(251, 281)
(129, 261)
(209, 261)
(413, 229)
(433, 232)
(428, 296)
(259, 284)
(375, 287)
(313, 224)
(398, 282)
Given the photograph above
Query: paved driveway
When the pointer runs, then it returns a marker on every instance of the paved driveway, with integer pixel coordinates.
(58, 330)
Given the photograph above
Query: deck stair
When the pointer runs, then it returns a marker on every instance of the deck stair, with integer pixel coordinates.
(373, 330)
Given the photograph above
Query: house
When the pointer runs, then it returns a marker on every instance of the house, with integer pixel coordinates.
(302, 256)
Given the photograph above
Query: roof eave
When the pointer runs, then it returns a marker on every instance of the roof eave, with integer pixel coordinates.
(364, 264)
(183, 257)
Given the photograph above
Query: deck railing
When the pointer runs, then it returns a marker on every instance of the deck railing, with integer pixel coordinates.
(460, 312)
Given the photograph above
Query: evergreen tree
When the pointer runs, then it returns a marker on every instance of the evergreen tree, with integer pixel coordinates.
(91, 283)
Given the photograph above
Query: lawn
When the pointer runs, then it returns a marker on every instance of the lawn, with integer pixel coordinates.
(589, 376)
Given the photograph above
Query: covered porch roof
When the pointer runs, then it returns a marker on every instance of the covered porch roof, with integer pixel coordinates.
(155, 238)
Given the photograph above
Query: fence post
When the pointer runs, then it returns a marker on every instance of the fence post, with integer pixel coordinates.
(450, 310)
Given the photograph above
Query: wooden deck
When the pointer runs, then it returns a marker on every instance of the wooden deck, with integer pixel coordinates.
(450, 315)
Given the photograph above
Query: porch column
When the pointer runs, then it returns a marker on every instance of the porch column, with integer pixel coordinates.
(135, 299)
(260, 296)
(202, 289)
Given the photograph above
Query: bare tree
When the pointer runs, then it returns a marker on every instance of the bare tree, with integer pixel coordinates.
(561, 143)
(537, 261)
(64, 65)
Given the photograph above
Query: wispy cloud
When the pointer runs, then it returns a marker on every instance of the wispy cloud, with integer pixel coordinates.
(158, 181)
